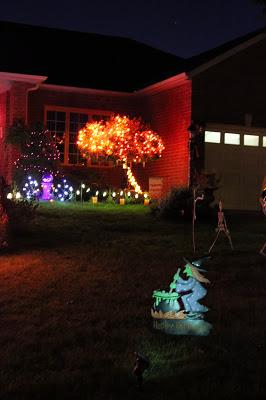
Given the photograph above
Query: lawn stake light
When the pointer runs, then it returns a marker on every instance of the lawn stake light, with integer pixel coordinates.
(222, 227)
(141, 364)
(178, 312)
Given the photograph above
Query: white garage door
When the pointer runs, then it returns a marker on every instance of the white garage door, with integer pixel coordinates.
(238, 156)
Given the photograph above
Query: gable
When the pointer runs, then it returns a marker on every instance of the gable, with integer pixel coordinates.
(232, 88)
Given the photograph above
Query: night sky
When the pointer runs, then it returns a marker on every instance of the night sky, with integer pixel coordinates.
(181, 27)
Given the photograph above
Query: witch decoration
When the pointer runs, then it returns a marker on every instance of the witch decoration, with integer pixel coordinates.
(178, 311)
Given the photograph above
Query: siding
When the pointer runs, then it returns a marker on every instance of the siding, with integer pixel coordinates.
(227, 91)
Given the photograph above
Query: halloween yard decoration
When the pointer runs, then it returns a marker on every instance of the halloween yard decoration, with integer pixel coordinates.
(47, 183)
(140, 365)
(194, 215)
(178, 312)
(222, 227)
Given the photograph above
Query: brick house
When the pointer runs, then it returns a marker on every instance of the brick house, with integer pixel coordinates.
(65, 78)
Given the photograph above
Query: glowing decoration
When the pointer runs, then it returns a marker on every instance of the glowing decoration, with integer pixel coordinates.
(47, 183)
(122, 202)
(94, 199)
(123, 139)
(178, 311)
(9, 196)
(31, 189)
(146, 199)
(40, 154)
(63, 191)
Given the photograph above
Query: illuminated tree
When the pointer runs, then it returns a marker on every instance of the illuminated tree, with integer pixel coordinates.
(122, 139)
(39, 155)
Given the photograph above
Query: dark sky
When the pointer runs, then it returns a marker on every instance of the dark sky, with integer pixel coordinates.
(182, 27)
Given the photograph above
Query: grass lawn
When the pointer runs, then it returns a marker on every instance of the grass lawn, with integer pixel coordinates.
(75, 300)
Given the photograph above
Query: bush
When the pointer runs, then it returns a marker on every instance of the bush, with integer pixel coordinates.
(176, 205)
(20, 213)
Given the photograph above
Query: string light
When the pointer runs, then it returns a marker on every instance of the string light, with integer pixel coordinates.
(123, 139)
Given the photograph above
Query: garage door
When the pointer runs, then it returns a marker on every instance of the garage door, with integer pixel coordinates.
(238, 157)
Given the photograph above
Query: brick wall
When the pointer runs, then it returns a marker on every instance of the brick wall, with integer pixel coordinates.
(3, 98)
(117, 103)
(169, 113)
(106, 102)
(227, 91)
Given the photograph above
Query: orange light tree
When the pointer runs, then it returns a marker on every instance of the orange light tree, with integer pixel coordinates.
(122, 139)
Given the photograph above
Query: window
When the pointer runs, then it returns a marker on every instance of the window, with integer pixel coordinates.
(56, 124)
(212, 137)
(65, 124)
(264, 141)
(232, 138)
(251, 140)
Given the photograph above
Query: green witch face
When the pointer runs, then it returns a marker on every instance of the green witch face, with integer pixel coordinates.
(188, 270)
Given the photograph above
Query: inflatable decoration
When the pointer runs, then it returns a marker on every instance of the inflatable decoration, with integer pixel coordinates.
(47, 183)
(178, 312)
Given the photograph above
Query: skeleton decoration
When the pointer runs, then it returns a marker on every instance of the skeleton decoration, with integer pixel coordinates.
(178, 311)
(222, 227)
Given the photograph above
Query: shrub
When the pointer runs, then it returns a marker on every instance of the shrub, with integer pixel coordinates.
(20, 213)
(176, 205)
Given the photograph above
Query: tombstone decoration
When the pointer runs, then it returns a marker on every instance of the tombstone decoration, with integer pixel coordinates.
(47, 183)
(178, 311)
(221, 227)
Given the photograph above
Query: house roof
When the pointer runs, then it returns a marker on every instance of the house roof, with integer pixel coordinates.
(94, 61)
(207, 56)
(84, 60)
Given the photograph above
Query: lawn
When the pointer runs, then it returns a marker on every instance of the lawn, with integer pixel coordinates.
(75, 300)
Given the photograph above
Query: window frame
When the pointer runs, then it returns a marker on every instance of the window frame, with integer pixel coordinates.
(68, 111)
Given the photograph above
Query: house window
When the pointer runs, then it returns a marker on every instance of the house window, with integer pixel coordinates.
(264, 141)
(65, 125)
(232, 138)
(212, 137)
(251, 140)
(56, 124)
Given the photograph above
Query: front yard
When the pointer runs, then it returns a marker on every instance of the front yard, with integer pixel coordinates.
(75, 300)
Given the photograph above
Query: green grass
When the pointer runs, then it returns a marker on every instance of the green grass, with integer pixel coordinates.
(75, 299)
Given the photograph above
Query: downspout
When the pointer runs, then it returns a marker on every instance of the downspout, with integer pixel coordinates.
(31, 89)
